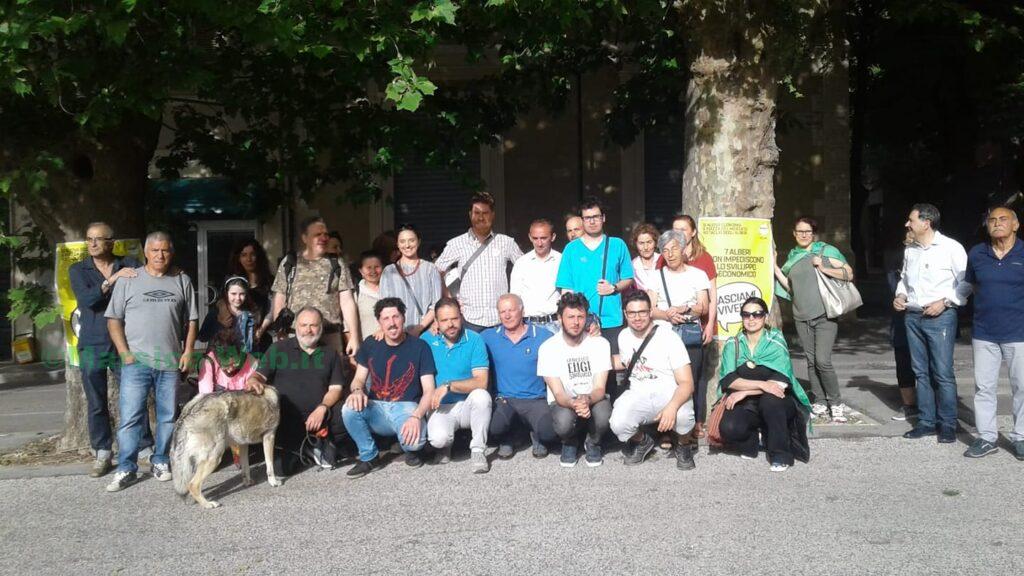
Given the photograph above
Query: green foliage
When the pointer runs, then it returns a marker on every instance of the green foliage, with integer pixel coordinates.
(32, 300)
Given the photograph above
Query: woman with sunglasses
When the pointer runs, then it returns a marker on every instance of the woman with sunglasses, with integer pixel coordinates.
(760, 393)
(415, 281)
(234, 309)
(799, 282)
(681, 293)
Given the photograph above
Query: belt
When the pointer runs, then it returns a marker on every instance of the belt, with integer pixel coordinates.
(542, 319)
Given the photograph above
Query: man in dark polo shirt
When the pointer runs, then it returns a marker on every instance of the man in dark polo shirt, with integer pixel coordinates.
(996, 271)
(309, 379)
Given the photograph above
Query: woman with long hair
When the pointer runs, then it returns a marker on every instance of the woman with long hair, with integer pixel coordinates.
(645, 265)
(414, 280)
(762, 397)
(798, 277)
(234, 310)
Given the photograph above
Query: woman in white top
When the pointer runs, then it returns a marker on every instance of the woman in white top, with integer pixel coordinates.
(681, 293)
(414, 280)
(645, 240)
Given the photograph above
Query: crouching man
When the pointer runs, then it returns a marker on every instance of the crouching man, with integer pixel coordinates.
(461, 399)
(309, 379)
(575, 367)
(660, 385)
(391, 391)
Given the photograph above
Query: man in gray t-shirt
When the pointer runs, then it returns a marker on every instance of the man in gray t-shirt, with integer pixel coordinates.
(148, 316)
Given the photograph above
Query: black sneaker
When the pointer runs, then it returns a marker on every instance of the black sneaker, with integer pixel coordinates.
(539, 449)
(981, 447)
(684, 457)
(947, 436)
(919, 432)
(413, 460)
(640, 450)
(361, 469)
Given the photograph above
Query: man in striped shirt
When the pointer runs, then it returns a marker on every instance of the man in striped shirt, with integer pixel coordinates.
(485, 278)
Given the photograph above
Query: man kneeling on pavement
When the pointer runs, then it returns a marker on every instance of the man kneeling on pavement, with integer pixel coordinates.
(309, 380)
(660, 385)
(575, 366)
(461, 399)
(391, 391)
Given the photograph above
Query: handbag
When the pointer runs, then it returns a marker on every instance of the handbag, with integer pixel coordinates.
(689, 332)
(838, 296)
(456, 283)
(714, 423)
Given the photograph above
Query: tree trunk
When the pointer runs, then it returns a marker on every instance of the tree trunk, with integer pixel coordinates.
(105, 179)
(731, 152)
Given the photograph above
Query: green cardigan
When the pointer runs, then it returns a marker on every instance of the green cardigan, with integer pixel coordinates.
(771, 351)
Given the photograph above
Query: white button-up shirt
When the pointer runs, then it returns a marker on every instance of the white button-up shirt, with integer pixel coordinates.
(933, 273)
(533, 280)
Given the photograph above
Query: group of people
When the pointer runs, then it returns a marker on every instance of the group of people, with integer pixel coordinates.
(568, 347)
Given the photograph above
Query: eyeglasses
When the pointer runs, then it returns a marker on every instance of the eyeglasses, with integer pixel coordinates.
(97, 239)
(593, 218)
(803, 232)
(637, 313)
(759, 314)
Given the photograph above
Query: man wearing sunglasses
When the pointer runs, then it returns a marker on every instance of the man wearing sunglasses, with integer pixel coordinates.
(92, 281)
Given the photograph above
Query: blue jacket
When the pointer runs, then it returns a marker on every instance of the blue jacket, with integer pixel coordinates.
(92, 302)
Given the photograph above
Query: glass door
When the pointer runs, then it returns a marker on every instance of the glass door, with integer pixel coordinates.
(215, 241)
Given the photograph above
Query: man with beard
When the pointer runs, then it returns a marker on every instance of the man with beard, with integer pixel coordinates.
(309, 379)
(461, 399)
(575, 367)
(391, 391)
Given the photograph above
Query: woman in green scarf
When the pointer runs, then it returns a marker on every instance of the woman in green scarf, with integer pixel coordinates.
(761, 394)
(798, 281)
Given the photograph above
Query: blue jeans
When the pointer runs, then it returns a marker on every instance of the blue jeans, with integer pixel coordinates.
(94, 362)
(136, 381)
(383, 419)
(931, 356)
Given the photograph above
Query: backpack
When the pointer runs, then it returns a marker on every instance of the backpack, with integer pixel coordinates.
(290, 263)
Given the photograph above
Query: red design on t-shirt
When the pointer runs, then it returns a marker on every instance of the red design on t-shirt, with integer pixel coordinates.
(387, 389)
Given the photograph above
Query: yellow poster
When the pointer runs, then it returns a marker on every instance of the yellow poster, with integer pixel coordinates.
(742, 251)
(69, 253)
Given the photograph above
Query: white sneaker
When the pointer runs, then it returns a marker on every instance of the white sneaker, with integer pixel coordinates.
(779, 467)
(839, 412)
(121, 481)
(162, 472)
(818, 409)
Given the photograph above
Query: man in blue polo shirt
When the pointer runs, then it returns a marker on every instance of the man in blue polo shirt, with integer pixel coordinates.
(598, 266)
(521, 393)
(461, 399)
(996, 270)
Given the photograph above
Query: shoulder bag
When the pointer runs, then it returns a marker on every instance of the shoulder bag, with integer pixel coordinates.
(714, 424)
(689, 332)
(838, 296)
(636, 355)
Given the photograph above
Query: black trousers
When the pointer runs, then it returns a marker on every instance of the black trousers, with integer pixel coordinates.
(533, 413)
(700, 389)
(767, 414)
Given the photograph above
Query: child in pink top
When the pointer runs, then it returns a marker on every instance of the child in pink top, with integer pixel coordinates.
(226, 365)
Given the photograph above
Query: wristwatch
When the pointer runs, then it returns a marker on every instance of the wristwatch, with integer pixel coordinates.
(105, 285)
(948, 303)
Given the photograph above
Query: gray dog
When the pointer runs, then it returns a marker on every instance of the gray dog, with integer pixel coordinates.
(212, 422)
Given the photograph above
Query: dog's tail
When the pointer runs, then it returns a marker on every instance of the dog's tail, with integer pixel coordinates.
(182, 465)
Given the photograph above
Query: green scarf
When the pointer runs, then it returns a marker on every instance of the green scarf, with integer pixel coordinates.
(771, 351)
(797, 254)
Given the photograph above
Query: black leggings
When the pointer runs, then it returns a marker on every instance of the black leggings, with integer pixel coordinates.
(765, 413)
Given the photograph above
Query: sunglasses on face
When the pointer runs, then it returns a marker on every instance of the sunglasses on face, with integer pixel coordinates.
(759, 314)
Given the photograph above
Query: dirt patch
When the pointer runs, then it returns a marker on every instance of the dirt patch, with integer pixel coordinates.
(44, 451)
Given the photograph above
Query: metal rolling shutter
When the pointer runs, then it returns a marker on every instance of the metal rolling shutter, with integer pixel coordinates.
(433, 201)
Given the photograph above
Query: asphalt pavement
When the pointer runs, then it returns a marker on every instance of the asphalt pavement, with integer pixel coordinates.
(862, 506)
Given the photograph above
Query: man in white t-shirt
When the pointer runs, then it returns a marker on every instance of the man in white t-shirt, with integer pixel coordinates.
(575, 367)
(533, 277)
(660, 385)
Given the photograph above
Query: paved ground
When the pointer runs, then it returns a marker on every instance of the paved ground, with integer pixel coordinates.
(869, 503)
(863, 506)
